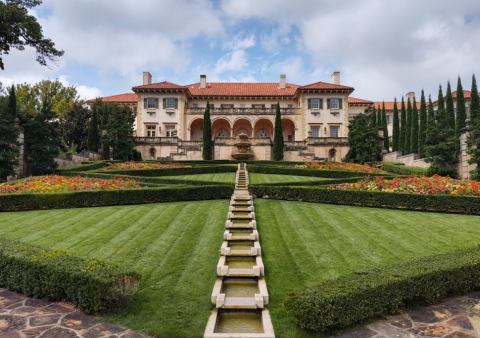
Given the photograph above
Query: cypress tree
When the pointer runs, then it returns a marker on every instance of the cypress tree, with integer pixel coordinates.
(414, 140)
(9, 144)
(207, 134)
(363, 140)
(408, 129)
(474, 101)
(93, 141)
(450, 111)
(431, 124)
(403, 128)
(105, 140)
(440, 101)
(120, 132)
(422, 132)
(42, 141)
(373, 117)
(386, 141)
(461, 111)
(278, 136)
(396, 127)
(379, 117)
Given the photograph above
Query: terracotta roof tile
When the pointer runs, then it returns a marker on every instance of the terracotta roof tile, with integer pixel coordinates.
(120, 98)
(242, 89)
(389, 105)
(466, 93)
(355, 101)
(326, 86)
(159, 85)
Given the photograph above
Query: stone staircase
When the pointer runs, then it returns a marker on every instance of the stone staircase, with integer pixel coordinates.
(240, 293)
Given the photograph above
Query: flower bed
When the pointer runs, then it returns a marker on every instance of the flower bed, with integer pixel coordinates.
(143, 166)
(341, 167)
(419, 185)
(56, 184)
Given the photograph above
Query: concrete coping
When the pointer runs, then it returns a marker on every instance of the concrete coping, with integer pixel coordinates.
(250, 215)
(250, 208)
(257, 270)
(259, 299)
(256, 250)
(266, 322)
(249, 225)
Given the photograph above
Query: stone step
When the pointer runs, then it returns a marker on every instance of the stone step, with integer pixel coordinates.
(240, 303)
(241, 273)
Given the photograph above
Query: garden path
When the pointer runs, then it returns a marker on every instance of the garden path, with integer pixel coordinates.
(23, 317)
(453, 318)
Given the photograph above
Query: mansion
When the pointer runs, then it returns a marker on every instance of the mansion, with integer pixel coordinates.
(169, 118)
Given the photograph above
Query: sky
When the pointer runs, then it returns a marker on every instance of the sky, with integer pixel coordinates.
(382, 48)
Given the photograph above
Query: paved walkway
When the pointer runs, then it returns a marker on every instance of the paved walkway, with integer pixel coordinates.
(23, 317)
(453, 318)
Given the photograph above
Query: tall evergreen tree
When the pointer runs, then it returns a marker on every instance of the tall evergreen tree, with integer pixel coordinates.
(120, 132)
(207, 134)
(9, 145)
(408, 129)
(105, 139)
(431, 123)
(422, 131)
(414, 140)
(379, 117)
(473, 140)
(386, 139)
(441, 144)
(449, 109)
(396, 127)
(278, 136)
(373, 117)
(441, 99)
(474, 101)
(363, 140)
(461, 111)
(93, 142)
(42, 141)
(74, 126)
(403, 128)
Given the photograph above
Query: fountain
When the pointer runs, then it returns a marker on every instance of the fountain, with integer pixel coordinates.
(243, 151)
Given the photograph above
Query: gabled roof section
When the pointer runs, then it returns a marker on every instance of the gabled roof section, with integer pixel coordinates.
(359, 102)
(230, 89)
(158, 86)
(324, 86)
(120, 98)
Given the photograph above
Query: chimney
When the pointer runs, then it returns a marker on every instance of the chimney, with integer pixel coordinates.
(336, 78)
(283, 84)
(411, 96)
(147, 78)
(203, 81)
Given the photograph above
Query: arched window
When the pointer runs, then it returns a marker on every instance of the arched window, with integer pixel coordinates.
(262, 133)
(242, 132)
(222, 133)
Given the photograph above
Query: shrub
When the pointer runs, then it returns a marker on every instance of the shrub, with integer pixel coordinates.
(303, 172)
(93, 285)
(354, 298)
(176, 171)
(435, 203)
(81, 167)
(83, 199)
(403, 170)
(436, 169)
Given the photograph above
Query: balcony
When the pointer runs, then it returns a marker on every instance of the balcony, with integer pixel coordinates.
(156, 140)
(327, 141)
(243, 111)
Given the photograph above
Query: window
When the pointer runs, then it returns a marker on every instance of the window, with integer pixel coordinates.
(151, 131)
(290, 106)
(262, 133)
(169, 131)
(258, 106)
(334, 104)
(390, 119)
(274, 106)
(333, 131)
(315, 131)
(170, 103)
(315, 104)
(242, 106)
(194, 105)
(227, 106)
(151, 102)
(222, 133)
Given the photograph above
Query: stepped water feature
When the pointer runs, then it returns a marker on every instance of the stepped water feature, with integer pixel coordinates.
(240, 293)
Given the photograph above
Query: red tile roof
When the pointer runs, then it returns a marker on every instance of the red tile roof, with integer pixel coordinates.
(242, 89)
(326, 86)
(160, 85)
(466, 93)
(121, 98)
(389, 105)
(355, 101)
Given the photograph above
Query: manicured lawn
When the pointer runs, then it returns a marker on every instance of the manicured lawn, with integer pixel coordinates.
(305, 243)
(256, 178)
(219, 177)
(175, 246)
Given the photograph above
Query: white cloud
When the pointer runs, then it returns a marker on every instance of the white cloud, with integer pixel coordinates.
(234, 61)
(84, 92)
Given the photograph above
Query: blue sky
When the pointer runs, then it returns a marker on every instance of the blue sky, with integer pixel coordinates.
(382, 48)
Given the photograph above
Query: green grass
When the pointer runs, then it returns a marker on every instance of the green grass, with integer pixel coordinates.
(218, 177)
(175, 246)
(304, 244)
(271, 178)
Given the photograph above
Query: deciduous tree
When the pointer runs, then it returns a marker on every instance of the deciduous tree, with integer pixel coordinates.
(9, 145)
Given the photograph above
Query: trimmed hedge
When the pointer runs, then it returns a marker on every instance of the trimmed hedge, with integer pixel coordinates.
(81, 167)
(305, 172)
(93, 285)
(308, 183)
(82, 199)
(467, 205)
(403, 170)
(173, 171)
(354, 298)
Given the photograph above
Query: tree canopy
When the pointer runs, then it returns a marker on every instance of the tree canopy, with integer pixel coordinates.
(278, 136)
(18, 29)
(363, 140)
